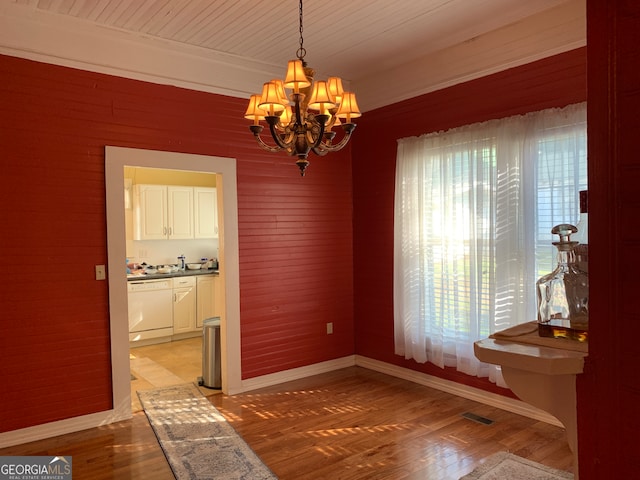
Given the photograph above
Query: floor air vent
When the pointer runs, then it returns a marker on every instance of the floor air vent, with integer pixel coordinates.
(477, 418)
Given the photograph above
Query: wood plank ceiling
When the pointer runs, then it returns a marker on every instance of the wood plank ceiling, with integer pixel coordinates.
(354, 39)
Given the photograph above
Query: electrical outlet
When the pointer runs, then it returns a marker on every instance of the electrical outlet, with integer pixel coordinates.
(329, 328)
(100, 272)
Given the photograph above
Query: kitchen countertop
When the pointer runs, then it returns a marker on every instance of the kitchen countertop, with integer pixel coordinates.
(179, 273)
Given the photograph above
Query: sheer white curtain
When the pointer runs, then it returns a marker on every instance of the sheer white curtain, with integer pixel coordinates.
(474, 207)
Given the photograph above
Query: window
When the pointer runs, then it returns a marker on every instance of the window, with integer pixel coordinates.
(474, 209)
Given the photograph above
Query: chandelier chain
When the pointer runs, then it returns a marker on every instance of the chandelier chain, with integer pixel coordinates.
(301, 51)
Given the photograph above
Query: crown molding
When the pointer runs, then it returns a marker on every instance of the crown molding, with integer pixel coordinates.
(548, 33)
(62, 40)
(69, 42)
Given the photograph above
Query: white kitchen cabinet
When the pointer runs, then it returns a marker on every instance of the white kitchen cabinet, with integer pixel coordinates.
(150, 212)
(205, 206)
(206, 307)
(209, 299)
(163, 212)
(184, 305)
(218, 295)
(180, 212)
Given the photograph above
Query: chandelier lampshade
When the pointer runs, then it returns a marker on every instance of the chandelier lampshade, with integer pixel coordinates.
(270, 100)
(321, 98)
(296, 78)
(348, 107)
(285, 118)
(302, 121)
(254, 112)
(335, 87)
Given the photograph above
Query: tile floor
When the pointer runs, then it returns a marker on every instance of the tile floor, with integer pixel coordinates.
(166, 364)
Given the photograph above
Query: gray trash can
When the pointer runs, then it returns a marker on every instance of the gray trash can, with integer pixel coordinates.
(211, 375)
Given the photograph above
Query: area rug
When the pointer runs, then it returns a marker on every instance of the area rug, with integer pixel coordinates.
(196, 439)
(504, 465)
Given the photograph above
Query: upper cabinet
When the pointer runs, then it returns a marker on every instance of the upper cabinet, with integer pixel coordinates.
(180, 212)
(205, 217)
(174, 212)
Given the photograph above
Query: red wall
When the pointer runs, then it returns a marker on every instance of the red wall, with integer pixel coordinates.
(609, 390)
(553, 82)
(295, 234)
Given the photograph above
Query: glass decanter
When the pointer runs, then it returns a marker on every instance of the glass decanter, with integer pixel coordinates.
(563, 295)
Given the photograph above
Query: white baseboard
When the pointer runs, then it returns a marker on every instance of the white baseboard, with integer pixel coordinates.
(296, 373)
(459, 389)
(61, 427)
(481, 396)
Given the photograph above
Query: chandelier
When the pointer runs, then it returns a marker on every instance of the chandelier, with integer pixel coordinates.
(303, 121)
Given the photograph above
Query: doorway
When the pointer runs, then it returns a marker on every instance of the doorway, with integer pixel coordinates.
(160, 355)
(116, 158)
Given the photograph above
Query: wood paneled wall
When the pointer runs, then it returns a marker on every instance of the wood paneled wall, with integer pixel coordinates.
(609, 390)
(295, 233)
(552, 82)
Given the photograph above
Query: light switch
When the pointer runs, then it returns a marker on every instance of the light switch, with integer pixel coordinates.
(100, 272)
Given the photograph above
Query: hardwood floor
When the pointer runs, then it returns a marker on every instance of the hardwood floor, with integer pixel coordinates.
(348, 424)
(359, 424)
(122, 450)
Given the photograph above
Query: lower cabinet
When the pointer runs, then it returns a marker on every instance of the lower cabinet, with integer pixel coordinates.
(208, 298)
(184, 304)
(195, 298)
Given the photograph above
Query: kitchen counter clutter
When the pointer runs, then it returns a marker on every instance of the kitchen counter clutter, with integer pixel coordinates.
(179, 273)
